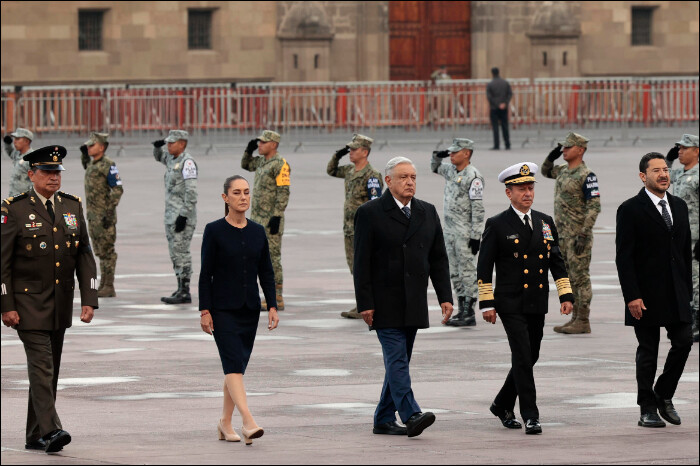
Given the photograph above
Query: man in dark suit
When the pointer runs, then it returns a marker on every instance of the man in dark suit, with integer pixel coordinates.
(653, 258)
(45, 244)
(398, 245)
(523, 245)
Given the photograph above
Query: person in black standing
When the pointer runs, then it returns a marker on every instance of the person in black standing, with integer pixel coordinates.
(499, 94)
(653, 257)
(523, 245)
(399, 244)
(235, 253)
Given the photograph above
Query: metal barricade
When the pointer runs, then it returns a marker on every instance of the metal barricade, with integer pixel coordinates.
(134, 113)
(65, 112)
(8, 112)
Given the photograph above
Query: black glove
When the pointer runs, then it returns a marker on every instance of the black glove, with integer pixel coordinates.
(441, 154)
(696, 251)
(474, 244)
(672, 154)
(556, 153)
(7, 139)
(341, 152)
(252, 146)
(84, 149)
(580, 244)
(274, 225)
(180, 223)
(158, 143)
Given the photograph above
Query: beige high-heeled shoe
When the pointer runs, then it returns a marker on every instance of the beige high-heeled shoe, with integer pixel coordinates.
(249, 435)
(225, 436)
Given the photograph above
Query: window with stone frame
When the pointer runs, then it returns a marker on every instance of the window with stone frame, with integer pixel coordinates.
(199, 29)
(90, 29)
(642, 25)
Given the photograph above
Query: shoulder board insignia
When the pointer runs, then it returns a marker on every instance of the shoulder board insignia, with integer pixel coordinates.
(16, 198)
(69, 196)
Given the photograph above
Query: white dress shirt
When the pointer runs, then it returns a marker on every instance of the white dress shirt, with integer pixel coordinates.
(401, 206)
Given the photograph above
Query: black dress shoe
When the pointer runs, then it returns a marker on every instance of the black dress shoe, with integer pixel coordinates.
(667, 410)
(56, 440)
(507, 417)
(532, 426)
(650, 420)
(389, 428)
(37, 444)
(418, 423)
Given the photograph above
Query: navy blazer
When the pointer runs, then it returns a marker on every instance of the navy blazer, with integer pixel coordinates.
(654, 264)
(232, 260)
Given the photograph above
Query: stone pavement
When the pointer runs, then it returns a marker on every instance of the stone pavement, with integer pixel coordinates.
(143, 384)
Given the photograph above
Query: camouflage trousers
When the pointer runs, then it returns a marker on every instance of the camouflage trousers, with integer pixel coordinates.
(103, 236)
(578, 267)
(275, 242)
(179, 249)
(350, 250)
(462, 265)
(696, 279)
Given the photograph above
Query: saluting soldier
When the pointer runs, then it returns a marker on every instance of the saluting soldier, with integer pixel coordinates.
(45, 244)
(464, 223)
(180, 208)
(270, 197)
(103, 190)
(362, 183)
(523, 245)
(17, 145)
(576, 208)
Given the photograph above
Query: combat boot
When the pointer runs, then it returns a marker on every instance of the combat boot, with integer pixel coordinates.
(581, 324)
(183, 296)
(465, 317)
(351, 314)
(107, 290)
(560, 328)
(179, 287)
(695, 325)
(280, 299)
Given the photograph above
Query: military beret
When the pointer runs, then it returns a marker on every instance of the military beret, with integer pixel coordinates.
(461, 143)
(177, 135)
(574, 139)
(358, 140)
(519, 173)
(688, 140)
(46, 158)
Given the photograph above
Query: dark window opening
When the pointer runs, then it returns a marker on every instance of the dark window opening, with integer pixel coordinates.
(641, 25)
(90, 29)
(199, 29)
(563, 58)
(296, 61)
(317, 59)
(544, 58)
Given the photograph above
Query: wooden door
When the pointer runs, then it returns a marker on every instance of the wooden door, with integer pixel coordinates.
(425, 35)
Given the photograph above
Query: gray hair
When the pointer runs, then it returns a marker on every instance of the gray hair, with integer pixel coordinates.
(391, 164)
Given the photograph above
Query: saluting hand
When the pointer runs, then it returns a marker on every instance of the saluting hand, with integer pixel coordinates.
(341, 152)
(252, 146)
(7, 139)
(273, 319)
(636, 307)
(446, 311)
(10, 318)
(555, 153)
(441, 154)
(87, 314)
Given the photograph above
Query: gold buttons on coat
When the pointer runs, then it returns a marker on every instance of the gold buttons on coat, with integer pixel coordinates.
(541, 256)
(55, 229)
(524, 256)
(56, 282)
(26, 290)
(56, 246)
(541, 271)
(526, 271)
(58, 264)
(525, 286)
(517, 241)
(541, 285)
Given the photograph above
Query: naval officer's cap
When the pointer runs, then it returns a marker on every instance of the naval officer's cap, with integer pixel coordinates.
(520, 173)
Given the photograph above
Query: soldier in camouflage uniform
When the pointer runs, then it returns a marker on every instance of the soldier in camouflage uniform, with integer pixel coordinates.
(270, 197)
(464, 223)
(362, 183)
(21, 146)
(180, 208)
(103, 190)
(576, 208)
(686, 185)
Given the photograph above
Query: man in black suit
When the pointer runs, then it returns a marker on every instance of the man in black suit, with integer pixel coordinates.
(653, 257)
(523, 245)
(398, 245)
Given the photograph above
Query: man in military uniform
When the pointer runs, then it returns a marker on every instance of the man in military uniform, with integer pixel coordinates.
(270, 197)
(103, 190)
(45, 244)
(180, 208)
(523, 245)
(16, 149)
(576, 208)
(464, 223)
(362, 183)
(685, 181)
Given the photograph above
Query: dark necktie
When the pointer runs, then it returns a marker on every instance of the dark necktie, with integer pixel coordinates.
(665, 215)
(49, 209)
(407, 211)
(527, 223)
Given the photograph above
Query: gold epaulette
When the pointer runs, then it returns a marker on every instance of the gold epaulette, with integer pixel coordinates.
(12, 199)
(69, 196)
(485, 291)
(563, 286)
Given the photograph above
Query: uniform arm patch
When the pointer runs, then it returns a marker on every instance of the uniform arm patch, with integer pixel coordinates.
(374, 188)
(283, 177)
(189, 170)
(476, 190)
(113, 177)
(590, 187)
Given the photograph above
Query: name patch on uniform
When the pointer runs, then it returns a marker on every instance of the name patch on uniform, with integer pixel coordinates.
(590, 187)
(113, 177)
(476, 190)
(516, 236)
(189, 169)
(547, 231)
(374, 189)
(33, 226)
(71, 221)
(283, 177)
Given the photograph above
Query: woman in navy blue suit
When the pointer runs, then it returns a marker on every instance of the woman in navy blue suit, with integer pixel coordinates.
(235, 253)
